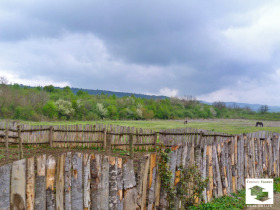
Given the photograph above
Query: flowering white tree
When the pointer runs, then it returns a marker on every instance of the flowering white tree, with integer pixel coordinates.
(64, 108)
(139, 110)
(102, 111)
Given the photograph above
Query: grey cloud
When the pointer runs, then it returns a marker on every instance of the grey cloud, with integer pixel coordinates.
(182, 40)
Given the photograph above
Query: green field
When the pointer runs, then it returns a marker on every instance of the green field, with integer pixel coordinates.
(230, 126)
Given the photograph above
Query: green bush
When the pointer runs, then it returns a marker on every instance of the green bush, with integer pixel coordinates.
(50, 110)
(235, 201)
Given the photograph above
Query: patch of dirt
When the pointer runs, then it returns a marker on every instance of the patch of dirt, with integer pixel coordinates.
(275, 206)
(37, 151)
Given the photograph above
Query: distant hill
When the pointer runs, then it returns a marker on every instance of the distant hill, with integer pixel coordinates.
(117, 94)
(106, 92)
(254, 107)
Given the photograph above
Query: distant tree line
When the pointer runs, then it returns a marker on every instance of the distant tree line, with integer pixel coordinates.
(50, 103)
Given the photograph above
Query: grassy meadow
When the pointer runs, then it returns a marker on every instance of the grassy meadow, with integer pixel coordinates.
(230, 126)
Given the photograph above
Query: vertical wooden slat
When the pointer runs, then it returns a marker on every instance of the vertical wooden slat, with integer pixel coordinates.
(5, 178)
(130, 193)
(234, 169)
(77, 181)
(30, 185)
(204, 165)
(105, 183)
(113, 185)
(60, 182)
(210, 172)
(50, 182)
(18, 185)
(86, 181)
(152, 182)
(67, 180)
(95, 181)
(40, 183)
(7, 140)
(51, 136)
(142, 177)
(120, 184)
(276, 156)
(20, 142)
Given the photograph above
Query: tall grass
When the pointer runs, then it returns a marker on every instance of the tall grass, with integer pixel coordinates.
(230, 126)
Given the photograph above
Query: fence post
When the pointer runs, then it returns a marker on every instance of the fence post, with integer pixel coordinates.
(200, 139)
(104, 139)
(155, 140)
(7, 140)
(108, 143)
(20, 142)
(51, 136)
(131, 145)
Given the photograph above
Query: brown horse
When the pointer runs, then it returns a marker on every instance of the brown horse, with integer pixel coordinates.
(185, 122)
(259, 124)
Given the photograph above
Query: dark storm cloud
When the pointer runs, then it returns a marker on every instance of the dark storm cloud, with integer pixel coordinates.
(194, 47)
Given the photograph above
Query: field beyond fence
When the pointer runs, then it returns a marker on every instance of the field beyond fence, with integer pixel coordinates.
(91, 181)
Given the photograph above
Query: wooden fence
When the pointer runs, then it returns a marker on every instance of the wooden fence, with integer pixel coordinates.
(100, 136)
(90, 181)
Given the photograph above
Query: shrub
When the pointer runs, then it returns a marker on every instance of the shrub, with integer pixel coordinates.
(65, 109)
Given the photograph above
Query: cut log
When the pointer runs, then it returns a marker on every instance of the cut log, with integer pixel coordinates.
(30, 185)
(60, 183)
(130, 192)
(40, 183)
(67, 180)
(105, 183)
(120, 184)
(18, 185)
(152, 182)
(50, 196)
(142, 177)
(95, 181)
(5, 174)
(86, 181)
(77, 181)
(113, 185)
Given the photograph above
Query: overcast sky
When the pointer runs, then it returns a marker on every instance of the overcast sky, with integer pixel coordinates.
(217, 50)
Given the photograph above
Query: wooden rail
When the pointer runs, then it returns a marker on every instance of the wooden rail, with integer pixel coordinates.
(106, 137)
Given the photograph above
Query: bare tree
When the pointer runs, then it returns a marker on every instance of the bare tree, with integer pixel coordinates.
(263, 109)
(3, 80)
(219, 104)
(189, 100)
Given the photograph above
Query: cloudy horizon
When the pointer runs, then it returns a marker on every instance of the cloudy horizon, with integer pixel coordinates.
(213, 50)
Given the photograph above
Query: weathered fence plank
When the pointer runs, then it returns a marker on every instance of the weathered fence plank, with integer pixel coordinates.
(30, 184)
(105, 183)
(67, 180)
(113, 184)
(86, 182)
(50, 182)
(95, 181)
(129, 184)
(60, 182)
(120, 184)
(40, 183)
(5, 178)
(18, 185)
(77, 181)
(142, 177)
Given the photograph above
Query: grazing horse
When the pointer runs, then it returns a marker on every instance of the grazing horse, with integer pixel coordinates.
(185, 122)
(259, 124)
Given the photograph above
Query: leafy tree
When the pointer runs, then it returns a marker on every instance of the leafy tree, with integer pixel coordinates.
(50, 109)
(49, 88)
(65, 109)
